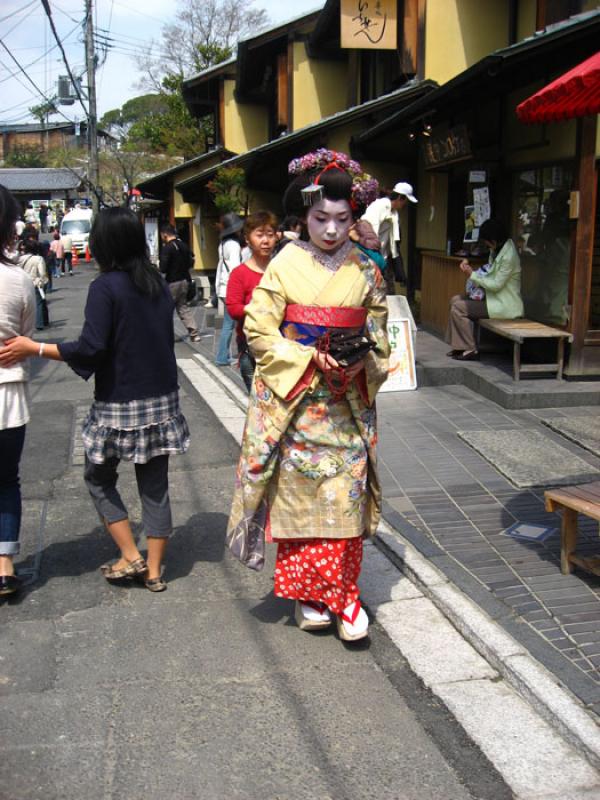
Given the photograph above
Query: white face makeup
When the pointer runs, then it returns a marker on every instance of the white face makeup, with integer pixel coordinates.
(328, 223)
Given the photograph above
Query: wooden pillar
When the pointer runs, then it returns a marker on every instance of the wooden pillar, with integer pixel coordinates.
(584, 238)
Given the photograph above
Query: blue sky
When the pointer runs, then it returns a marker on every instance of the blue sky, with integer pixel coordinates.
(132, 23)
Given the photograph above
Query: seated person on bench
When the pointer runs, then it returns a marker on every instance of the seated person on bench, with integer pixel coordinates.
(501, 284)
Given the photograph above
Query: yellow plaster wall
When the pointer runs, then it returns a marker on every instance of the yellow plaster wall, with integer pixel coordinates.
(206, 257)
(319, 88)
(245, 124)
(534, 144)
(459, 33)
(526, 14)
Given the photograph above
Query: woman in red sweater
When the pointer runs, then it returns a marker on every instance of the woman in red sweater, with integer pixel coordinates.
(260, 232)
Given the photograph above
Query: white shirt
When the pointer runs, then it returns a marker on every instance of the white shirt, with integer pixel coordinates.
(386, 224)
(17, 318)
(231, 256)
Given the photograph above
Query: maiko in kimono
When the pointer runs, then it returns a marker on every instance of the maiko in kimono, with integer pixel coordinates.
(307, 475)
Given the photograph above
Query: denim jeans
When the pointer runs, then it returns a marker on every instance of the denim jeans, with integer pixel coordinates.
(11, 447)
(41, 311)
(247, 367)
(223, 355)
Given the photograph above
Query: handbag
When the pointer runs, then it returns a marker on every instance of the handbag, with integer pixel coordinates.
(192, 290)
(345, 345)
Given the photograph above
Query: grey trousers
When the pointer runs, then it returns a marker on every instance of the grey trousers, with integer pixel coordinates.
(186, 313)
(153, 487)
(460, 333)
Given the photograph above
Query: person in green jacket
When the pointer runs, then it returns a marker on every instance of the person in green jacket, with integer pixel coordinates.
(501, 283)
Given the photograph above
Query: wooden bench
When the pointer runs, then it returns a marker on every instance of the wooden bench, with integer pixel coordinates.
(571, 501)
(518, 330)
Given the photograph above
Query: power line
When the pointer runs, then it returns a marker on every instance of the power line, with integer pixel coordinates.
(18, 11)
(46, 6)
(39, 58)
(35, 86)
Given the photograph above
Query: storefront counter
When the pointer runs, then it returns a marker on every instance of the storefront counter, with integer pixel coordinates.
(441, 279)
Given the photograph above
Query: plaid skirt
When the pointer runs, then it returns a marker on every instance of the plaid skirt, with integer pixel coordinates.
(138, 430)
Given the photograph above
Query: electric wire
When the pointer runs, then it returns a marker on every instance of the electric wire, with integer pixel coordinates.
(35, 86)
(18, 11)
(39, 58)
(46, 5)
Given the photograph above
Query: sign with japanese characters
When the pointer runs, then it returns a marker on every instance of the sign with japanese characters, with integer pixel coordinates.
(447, 146)
(402, 375)
(369, 24)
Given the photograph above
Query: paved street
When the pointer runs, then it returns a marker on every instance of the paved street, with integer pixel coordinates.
(208, 690)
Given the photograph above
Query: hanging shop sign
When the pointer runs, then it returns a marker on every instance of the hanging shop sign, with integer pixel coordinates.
(447, 147)
(369, 24)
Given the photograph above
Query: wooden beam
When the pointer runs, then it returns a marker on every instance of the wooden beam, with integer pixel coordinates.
(290, 78)
(282, 89)
(584, 238)
(410, 37)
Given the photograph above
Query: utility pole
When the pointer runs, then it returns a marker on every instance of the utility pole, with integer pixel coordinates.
(90, 60)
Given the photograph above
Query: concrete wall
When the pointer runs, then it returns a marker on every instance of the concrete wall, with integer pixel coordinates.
(245, 124)
(458, 33)
(319, 88)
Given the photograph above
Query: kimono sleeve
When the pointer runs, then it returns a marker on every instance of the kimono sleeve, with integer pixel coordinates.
(91, 349)
(376, 366)
(281, 363)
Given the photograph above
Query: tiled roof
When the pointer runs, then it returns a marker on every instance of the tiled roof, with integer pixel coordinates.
(43, 180)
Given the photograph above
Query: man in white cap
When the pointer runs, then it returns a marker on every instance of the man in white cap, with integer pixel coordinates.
(383, 215)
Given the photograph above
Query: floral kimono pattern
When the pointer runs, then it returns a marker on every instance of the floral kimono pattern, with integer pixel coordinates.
(307, 469)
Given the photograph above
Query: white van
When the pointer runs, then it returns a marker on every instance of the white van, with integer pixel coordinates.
(77, 224)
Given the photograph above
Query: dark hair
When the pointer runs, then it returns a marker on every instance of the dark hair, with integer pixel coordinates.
(492, 230)
(56, 235)
(167, 229)
(290, 222)
(9, 214)
(259, 219)
(336, 183)
(32, 247)
(118, 242)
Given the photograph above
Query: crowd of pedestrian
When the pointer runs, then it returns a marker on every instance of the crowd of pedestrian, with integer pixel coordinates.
(307, 299)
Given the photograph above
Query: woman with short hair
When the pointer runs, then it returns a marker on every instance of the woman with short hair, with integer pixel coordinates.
(501, 285)
(260, 232)
(127, 344)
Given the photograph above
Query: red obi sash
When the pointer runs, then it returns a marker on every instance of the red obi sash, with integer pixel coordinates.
(326, 316)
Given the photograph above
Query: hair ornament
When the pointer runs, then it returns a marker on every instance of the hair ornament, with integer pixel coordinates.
(365, 188)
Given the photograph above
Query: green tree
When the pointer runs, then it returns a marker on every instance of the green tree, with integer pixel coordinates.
(228, 189)
(44, 110)
(26, 156)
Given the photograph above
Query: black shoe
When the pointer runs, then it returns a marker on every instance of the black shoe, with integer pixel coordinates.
(453, 353)
(467, 356)
(9, 584)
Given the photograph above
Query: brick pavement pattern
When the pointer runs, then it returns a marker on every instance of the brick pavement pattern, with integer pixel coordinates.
(463, 504)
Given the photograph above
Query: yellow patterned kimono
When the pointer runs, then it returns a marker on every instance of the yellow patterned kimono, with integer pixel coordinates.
(308, 462)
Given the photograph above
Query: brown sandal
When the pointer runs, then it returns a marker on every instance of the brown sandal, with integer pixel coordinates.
(132, 570)
(155, 584)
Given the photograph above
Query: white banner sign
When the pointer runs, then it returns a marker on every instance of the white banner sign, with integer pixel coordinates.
(402, 375)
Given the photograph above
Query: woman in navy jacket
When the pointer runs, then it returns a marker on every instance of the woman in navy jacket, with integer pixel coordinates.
(127, 344)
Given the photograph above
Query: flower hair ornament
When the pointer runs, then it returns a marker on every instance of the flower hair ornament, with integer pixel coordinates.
(364, 187)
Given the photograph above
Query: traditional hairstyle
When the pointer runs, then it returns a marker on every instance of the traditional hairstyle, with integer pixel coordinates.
(9, 214)
(168, 230)
(330, 174)
(118, 242)
(259, 219)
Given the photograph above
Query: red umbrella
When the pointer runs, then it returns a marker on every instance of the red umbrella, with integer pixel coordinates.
(574, 94)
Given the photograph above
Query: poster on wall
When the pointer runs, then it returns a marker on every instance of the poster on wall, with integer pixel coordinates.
(471, 230)
(369, 24)
(481, 204)
(402, 373)
(151, 231)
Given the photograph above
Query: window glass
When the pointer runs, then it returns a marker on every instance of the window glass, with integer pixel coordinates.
(543, 241)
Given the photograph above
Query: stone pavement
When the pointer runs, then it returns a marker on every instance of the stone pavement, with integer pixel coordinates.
(454, 507)
(208, 690)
